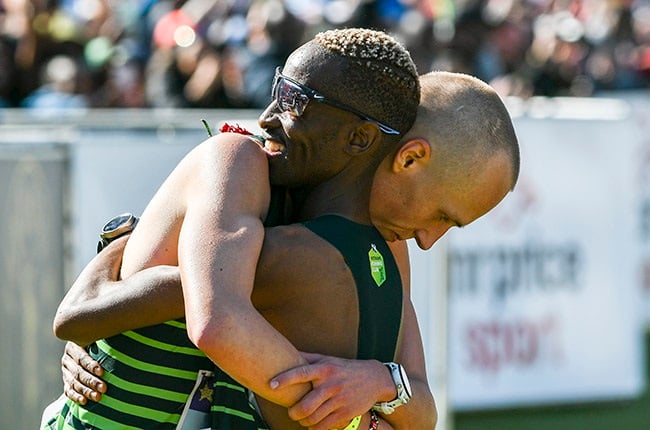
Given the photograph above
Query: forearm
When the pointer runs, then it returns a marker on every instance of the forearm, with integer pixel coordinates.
(96, 306)
(244, 345)
(419, 413)
(138, 301)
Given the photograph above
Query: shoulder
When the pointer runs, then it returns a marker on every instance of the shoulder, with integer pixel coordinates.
(228, 146)
(293, 238)
(227, 157)
(225, 171)
(295, 247)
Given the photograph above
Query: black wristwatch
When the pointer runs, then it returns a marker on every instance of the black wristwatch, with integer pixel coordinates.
(116, 227)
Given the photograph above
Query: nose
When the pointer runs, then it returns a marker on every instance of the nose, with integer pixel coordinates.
(270, 117)
(425, 238)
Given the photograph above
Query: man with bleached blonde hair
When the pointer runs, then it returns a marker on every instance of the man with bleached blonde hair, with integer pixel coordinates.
(340, 103)
(456, 163)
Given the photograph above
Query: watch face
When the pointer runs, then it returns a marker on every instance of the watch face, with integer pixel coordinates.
(116, 222)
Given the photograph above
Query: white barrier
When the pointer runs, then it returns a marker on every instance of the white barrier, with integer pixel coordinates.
(32, 189)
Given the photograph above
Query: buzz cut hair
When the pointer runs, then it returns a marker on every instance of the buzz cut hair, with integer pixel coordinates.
(380, 77)
(468, 118)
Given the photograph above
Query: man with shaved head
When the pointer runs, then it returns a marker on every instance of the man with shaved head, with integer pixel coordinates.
(420, 179)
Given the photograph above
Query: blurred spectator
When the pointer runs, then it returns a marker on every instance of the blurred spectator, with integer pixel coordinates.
(60, 76)
(222, 53)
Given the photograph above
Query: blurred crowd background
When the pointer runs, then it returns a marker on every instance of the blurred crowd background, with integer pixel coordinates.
(222, 53)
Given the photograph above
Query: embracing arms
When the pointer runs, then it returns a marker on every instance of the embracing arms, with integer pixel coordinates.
(342, 388)
(95, 307)
(217, 266)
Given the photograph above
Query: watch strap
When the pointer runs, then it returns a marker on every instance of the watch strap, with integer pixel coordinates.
(403, 396)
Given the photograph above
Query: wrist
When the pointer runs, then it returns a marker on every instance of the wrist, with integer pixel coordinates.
(386, 390)
(402, 387)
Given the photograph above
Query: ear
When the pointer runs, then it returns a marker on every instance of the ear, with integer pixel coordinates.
(363, 137)
(413, 153)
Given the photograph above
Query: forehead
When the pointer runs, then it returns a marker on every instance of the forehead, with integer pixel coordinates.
(312, 68)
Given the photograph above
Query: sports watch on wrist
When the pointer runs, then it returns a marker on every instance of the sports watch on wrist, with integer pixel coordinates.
(402, 386)
(117, 226)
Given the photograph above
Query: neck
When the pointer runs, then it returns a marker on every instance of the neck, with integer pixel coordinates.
(350, 199)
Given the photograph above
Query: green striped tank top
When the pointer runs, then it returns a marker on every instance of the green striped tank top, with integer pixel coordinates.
(150, 373)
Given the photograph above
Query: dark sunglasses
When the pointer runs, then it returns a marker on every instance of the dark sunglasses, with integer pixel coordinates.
(293, 97)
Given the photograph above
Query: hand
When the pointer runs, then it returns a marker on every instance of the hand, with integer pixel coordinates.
(342, 389)
(81, 375)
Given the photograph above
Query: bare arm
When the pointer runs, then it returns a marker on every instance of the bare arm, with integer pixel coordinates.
(236, 306)
(420, 412)
(342, 387)
(218, 249)
(81, 373)
(216, 245)
(351, 381)
(99, 306)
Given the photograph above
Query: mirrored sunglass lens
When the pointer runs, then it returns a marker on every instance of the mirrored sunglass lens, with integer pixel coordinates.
(290, 98)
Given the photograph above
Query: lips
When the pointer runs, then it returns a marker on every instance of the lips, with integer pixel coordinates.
(273, 146)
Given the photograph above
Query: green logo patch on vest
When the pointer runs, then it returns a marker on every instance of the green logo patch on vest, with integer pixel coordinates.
(377, 268)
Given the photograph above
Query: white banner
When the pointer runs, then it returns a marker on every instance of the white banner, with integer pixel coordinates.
(543, 291)
(641, 171)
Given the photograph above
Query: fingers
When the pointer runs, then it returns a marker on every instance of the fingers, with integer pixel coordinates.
(339, 390)
(79, 384)
(297, 375)
(322, 420)
(77, 354)
(328, 416)
(308, 407)
(74, 396)
(91, 366)
(76, 391)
